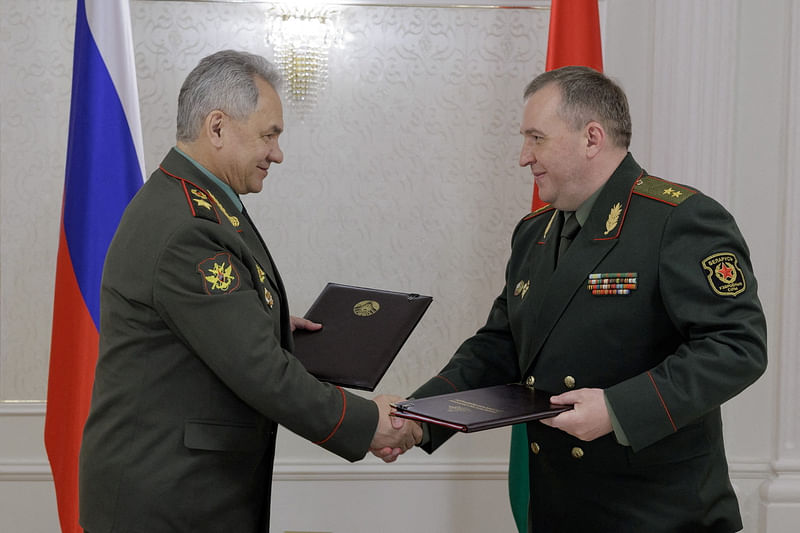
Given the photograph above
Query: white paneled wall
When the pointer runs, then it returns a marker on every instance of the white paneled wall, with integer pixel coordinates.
(406, 177)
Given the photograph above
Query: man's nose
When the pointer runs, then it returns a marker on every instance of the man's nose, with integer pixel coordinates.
(526, 155)
(276, 155)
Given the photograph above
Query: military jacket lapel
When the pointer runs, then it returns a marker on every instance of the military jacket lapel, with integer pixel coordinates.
(258, 247)
(541, 269)
(596, 239)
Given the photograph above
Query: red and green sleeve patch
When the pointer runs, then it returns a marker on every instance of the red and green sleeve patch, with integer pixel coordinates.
(218, 274)
(724, 274)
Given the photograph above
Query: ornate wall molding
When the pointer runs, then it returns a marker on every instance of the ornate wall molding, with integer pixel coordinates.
(695, 41)
(780, 510)
(413, 149)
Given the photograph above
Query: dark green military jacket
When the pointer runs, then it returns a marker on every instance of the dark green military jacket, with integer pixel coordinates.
(195, 370)
(655, 302)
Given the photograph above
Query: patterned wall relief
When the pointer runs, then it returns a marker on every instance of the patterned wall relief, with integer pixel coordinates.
(404, 177)
(35, 74)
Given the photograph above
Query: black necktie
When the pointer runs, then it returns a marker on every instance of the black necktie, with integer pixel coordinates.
(570, 228)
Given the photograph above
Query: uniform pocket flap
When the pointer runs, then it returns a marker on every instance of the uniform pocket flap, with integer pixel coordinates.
(215, 435)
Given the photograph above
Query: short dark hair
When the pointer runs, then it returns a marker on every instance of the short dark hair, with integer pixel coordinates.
(588, 95)
(225, 80)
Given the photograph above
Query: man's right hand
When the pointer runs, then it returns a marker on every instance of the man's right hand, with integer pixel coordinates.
(393, 436)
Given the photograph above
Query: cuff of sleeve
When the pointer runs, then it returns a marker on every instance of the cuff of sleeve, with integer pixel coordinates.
(619, 433)
(356, 429)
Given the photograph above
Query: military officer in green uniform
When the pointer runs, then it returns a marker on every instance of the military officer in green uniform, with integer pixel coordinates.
(647, 322)
(195, 370)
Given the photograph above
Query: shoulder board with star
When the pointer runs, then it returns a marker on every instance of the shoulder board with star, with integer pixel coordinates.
(200, 202)
(662, 190)
(543, 209)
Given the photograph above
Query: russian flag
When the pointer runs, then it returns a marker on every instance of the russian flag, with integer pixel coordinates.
(104, 169)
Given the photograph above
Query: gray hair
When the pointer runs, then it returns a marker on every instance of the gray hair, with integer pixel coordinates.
(588, 95)
(225, 81)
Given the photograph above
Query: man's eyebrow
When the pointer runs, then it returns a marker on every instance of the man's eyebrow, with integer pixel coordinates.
(530, 131)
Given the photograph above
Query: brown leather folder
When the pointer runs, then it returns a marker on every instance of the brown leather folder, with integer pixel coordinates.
(480, 409)
(362, 332)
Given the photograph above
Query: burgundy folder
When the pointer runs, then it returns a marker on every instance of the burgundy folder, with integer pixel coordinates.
(479, 409)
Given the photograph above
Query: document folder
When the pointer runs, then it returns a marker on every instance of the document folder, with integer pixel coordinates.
(362, 331)
(480, 409)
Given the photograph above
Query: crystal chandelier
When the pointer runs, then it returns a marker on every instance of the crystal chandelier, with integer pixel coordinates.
(301, 35)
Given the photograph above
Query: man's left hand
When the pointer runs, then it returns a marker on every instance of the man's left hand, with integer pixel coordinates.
(303, 323)
(589, 417)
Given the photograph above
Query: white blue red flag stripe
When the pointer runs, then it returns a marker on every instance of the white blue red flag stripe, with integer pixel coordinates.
(104, 169)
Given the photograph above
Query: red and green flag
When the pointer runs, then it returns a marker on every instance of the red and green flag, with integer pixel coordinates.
(573, 39)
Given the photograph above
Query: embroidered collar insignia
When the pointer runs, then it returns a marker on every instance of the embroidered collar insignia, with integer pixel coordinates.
(613, 218)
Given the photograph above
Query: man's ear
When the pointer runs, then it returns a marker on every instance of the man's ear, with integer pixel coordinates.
(595, 138)
(213, 127)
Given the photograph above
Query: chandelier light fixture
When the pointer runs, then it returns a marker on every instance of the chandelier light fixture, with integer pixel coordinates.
(301, 34)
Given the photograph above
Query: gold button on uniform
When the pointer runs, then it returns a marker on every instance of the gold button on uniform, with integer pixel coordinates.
(535, 447)
(569, 381)
(577, 453)
(529, 382)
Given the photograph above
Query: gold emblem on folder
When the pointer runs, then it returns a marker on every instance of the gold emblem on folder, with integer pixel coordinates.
(366, 308)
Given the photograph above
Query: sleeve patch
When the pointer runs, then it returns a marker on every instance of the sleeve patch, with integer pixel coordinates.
(218, 274)
(724, 274)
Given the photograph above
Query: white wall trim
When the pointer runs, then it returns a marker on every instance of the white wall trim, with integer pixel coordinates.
(696, 41)
(328, 471)
(789, 374)
(39, 470)
(780, 496)
(12, 470)
(22, 408)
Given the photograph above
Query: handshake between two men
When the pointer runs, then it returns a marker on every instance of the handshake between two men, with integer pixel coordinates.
(393, 436)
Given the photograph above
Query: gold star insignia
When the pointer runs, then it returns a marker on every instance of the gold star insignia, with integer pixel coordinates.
(669, 191)
(202, 203)
(677, 194)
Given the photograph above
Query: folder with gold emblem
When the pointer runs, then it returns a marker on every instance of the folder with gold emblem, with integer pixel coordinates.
(362, 332)
(480, 409)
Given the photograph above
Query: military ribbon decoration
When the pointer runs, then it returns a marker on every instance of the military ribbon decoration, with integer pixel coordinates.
(103, 171)
(573, 39)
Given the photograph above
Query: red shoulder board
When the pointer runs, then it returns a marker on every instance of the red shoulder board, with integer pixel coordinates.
(200, 203)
